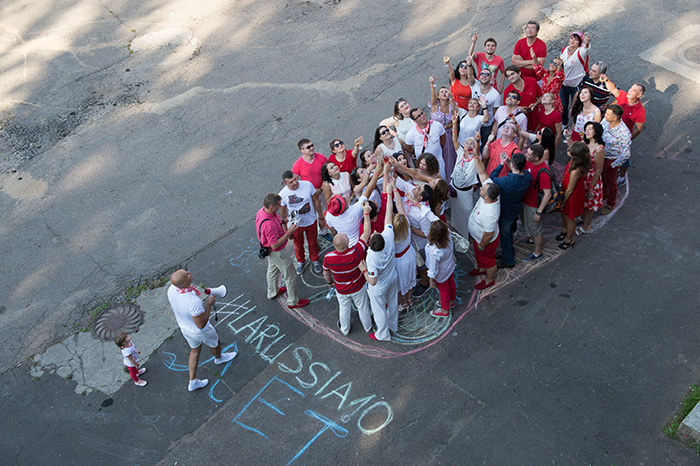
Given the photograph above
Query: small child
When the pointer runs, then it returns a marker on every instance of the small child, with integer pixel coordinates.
(131, 357)
(440, 259)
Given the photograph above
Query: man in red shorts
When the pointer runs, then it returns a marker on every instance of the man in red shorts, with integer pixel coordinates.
(521, 52)
(483, 229)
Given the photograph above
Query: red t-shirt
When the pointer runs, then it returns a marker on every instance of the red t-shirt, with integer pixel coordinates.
(346, 165)
(494, 66)
(521, 48)
(631, 114)
(495, 150)
(271, 230)
(530, 93)
(461, 93)
(530, 198)
(377, 225)
(310, 171)
(548, 121)
(344, 267)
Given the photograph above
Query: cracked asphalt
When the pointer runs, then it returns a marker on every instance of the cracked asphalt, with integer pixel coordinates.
(132, 164)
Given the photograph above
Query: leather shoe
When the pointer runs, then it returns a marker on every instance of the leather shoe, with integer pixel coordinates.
(301, 303)
(502, 265)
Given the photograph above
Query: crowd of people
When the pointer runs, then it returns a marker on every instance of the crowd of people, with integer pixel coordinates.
(481, 150)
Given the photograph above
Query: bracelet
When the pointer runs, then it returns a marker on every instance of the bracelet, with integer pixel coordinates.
(365, 213)
(329, 283)
(539, 213)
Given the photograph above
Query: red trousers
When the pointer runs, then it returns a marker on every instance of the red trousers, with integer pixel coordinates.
(610, 183)
(311, 237)
(448, 292)
(134, 373)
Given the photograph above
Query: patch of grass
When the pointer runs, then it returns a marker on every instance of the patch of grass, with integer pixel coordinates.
(687, 405)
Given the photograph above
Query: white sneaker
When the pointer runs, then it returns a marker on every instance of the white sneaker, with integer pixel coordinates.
(140, 383)
(225, 357)
(197, 383)
(299, 267)
(142, 370)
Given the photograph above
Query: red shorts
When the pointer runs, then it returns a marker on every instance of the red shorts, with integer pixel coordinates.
(487, 258)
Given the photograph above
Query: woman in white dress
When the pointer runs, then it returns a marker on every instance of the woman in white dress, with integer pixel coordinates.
(470, 122)
(335, 182)
(400, 120)
(464, 177)
(405, 254)
(385, 144)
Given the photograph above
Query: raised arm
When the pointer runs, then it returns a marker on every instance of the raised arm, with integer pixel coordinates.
(450, 70)
(356, 148)
(433, 95)
(455, 130)
(470, 71)
(612, 88)
(388, 209)
(367, 224)
(481, 169)
(475, 37)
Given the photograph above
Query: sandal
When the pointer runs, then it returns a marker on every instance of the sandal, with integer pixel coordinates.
(560, 236)
(564, 245)
(582, 231)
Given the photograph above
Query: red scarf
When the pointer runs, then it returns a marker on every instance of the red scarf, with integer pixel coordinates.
(425, 134)
(187, 290)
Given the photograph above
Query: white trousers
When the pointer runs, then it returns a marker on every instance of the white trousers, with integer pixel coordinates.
(385, 309)
(361, 301)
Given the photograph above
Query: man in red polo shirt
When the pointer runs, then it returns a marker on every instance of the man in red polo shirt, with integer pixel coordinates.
(521, 52)
(634, 114)
(529, 92)
(340, 267)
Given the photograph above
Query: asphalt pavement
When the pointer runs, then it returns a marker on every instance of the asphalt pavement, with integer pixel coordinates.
(184, 117)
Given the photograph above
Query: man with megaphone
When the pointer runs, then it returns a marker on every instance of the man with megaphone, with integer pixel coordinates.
(193, 318)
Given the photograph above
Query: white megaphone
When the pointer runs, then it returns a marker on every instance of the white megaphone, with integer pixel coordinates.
(219, 291)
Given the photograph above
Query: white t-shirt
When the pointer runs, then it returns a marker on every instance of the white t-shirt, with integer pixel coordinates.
(502, 114)
(484, 217)
(301, 202)
(348, 222)
(464, 173)
(432, 145)
(130, 351)
(468, 127)
(493, 99)
(185, 306)
(419, 215)
(391, 152)
(440, 262)
(380, 264)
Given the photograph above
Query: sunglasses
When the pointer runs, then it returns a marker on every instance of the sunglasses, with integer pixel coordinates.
(463, 66)
(310, 146)
(485, 73)
(510, 96)
(338, 144)
(382, 133)
(400, 100)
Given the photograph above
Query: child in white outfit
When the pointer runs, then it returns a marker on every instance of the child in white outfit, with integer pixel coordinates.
(131, 357)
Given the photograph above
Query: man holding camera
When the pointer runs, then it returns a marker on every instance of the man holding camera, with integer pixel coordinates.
(272, 235)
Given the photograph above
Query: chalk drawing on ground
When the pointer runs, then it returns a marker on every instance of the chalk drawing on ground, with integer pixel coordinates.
(434, 332)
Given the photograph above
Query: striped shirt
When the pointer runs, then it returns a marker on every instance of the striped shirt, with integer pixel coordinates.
(344, 267)
(601, 94)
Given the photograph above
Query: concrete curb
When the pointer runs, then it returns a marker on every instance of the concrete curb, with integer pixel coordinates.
(97, 365)
(690, 427)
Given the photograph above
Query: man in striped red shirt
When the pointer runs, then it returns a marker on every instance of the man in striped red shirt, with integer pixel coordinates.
(341, 267)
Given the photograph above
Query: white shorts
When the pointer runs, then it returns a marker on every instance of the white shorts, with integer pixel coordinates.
(207, 337)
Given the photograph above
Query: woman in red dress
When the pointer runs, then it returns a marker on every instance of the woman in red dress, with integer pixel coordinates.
(461, 79)
(550, 117)
(574, 187)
